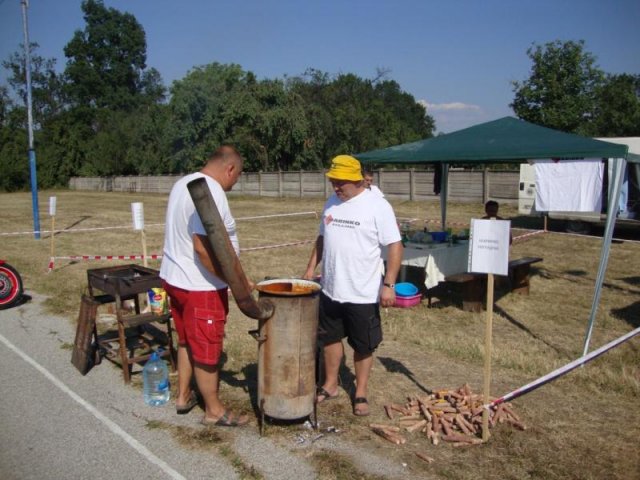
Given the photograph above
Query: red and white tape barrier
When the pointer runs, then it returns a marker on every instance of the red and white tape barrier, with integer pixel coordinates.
(77, 230)
(159, 256)
(562, 370)
(251, 249)
(278, 215)
(527, 235)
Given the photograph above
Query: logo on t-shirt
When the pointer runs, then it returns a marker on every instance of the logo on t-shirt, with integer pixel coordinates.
(340, 222)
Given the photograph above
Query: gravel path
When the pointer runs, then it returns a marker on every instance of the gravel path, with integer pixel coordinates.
(57, 424)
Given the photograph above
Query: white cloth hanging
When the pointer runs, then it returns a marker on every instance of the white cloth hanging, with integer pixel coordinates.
(569, 185)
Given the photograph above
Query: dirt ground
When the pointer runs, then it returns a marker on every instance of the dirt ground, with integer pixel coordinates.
(583, 426)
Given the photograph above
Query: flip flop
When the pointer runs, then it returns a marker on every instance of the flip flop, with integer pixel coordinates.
(184, 409)
(321, 392)
(227, 419)
(360, 412)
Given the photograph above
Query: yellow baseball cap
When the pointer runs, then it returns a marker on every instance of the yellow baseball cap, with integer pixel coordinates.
(345, 167)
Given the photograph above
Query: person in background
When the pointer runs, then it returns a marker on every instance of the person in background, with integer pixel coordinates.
(356, 223)
(491, 211)
(368, 182)
(198, 293)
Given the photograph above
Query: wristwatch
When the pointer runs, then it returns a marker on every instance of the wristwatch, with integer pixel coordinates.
(390, 285)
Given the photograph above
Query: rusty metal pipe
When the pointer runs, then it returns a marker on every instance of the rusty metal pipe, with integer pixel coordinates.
(225, 254)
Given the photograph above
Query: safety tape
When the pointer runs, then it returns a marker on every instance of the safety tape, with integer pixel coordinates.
(527, 235)
(76, 230)
(562, 370)
(159, 256)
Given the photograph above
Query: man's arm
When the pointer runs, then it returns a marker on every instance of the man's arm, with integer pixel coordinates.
(394, 260)
(206, 256)
(315, 259)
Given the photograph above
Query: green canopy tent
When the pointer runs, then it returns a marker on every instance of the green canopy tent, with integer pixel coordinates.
(510, 140)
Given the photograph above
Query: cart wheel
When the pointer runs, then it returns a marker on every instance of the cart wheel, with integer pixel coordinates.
(10, 286)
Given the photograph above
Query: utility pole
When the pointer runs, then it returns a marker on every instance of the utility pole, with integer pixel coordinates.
(32, 152)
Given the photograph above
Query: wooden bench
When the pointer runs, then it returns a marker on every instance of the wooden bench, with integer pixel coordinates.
(519, 273)
(472, 288)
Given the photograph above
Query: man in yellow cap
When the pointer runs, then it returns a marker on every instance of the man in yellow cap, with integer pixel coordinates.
(356, 224)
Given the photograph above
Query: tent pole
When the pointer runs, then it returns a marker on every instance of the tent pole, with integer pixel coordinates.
(444, 196)
(612, 213)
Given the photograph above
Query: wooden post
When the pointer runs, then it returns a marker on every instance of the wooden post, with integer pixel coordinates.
(381, 179)
(487, 357)
(143, 237)
(546, 217)
(325, 183)
(300, 179)
(260, 183)
(412, 184)
(485, 185)
(52, 237)
(280, 186)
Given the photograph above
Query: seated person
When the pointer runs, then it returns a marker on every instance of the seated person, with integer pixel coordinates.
(491, 211)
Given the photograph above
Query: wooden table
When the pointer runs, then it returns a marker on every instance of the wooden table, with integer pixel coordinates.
(127, 282)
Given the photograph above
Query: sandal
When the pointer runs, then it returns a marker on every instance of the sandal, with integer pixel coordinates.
(227, 419)
(364, 404)
(321, 392)
(184, 409)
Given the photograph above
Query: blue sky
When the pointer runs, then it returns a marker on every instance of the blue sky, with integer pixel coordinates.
(457, 56)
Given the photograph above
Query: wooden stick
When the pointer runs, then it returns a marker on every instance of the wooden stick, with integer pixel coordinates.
(53, 235)
(424, 457)
(389, 411)
(390, 428)
(487, 356)
(144, 248)
(416, 426)
(387, 436)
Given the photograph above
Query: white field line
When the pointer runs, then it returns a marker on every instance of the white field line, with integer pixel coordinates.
(110, 424)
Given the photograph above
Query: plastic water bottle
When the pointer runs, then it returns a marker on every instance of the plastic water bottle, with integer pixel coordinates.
(156, 381)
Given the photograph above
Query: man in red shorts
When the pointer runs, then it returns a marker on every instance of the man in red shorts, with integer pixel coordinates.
(198, 293)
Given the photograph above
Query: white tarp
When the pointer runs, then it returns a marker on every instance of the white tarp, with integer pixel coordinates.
(569, 185)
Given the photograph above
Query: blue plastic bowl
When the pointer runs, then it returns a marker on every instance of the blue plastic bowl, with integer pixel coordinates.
(406, 289)
(439, 236)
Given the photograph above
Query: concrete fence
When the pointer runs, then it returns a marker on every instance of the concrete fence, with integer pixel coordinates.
(464, 185)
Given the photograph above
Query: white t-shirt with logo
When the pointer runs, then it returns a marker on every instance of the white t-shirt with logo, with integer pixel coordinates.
(353, 233)
(181, 266)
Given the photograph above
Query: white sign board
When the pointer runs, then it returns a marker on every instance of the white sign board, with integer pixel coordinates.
(137, 212)
(52, 206)
(489, 246)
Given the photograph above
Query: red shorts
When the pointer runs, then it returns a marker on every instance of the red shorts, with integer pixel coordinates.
(199, 318)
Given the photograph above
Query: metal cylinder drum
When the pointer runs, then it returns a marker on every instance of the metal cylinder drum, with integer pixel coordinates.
(287, 348)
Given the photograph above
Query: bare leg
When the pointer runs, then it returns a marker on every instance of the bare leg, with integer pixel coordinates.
(333, 353)
(362, 364)
(185, 371)
(207, 378)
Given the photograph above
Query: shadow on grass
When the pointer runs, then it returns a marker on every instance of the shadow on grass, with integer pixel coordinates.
(632, 280)
(630, 314)
(394, 366)
(69, 227)
(560, 351)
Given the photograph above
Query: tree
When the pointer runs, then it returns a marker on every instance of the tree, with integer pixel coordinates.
(107, 60)
(46, 85)
(618, 107)
(561, 90)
